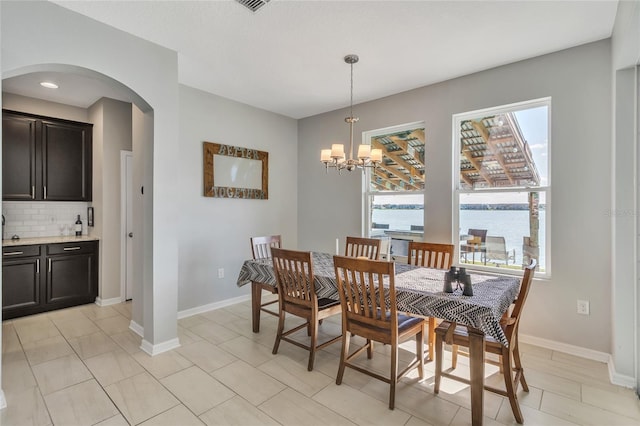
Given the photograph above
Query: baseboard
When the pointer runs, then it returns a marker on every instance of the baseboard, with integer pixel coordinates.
(620, 379)
(153, 350)
(136, 328)
(212, 306)
(3, 401)
(107, 302)
(614, 377)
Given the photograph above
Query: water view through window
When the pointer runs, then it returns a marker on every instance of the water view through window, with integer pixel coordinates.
(503, 185)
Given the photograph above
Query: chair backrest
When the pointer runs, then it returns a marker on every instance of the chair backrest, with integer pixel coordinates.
(430, 255)
(482, 233)
(294, 276)
(363, 294)
(496, 248)
(261, 246)
(362, 247)
(512, 321)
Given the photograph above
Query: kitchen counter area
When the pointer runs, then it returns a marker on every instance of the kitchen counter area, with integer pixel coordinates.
(41, 274)
(47, 240)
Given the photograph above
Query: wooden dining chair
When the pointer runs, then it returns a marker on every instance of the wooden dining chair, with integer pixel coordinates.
(435, 256)
(261, 249)
(362, 247)
(430, 255)
(511, 366)
(369, 311)
(297, 296)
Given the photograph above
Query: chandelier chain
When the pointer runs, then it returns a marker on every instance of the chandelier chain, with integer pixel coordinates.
(351, 101)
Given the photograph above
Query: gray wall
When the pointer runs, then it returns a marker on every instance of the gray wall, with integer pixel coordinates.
(579, 82)
(41, 107)
(214, 232)
(112, 134)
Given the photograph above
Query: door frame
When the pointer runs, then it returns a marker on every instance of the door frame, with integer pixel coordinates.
(123, 222)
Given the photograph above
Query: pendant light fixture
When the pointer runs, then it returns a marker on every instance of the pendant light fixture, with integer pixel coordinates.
(335, 157)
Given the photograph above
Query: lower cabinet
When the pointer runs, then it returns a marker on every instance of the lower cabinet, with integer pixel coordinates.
(41, 278)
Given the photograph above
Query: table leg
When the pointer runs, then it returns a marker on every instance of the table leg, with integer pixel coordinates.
(476, 366)
(256, 302)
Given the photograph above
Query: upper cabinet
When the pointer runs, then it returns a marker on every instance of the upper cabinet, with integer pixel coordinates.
(45, 158)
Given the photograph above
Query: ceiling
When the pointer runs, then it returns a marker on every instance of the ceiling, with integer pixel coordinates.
(288, 56)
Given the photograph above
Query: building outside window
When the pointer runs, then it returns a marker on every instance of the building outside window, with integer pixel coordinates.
(502, 187)
(394, 191)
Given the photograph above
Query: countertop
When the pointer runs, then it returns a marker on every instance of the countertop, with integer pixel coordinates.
(47, 240)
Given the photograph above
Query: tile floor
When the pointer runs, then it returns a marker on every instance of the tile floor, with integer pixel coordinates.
(83, 366)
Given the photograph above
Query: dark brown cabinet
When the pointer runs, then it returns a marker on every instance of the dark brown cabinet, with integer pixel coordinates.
(20, 281)
(45, 158)
(18, 157)
(41, 278)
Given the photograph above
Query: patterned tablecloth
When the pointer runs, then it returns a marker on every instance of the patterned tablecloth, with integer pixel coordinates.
(418, 291)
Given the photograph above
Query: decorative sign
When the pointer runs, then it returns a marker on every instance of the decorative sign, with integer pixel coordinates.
(235, 172)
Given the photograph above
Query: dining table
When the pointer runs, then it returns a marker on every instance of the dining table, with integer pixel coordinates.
(419, 291)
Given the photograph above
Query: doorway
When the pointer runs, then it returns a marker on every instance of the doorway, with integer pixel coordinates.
(126, 225)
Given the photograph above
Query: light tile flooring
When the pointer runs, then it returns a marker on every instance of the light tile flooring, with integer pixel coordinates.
(83, 366)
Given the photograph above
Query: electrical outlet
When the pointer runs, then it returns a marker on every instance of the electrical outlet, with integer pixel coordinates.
(583, 307)
(220, 272)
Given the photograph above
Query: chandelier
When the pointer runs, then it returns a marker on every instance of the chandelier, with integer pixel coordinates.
(335, 157)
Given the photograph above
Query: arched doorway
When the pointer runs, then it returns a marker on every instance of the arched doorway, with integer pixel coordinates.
(81, 88)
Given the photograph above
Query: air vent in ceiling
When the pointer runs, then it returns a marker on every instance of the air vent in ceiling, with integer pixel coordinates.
(253, 5)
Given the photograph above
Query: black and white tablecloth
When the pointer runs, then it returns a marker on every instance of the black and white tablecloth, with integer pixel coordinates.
(418, 291)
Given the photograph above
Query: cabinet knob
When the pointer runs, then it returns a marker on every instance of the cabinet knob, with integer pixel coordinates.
(130, 234)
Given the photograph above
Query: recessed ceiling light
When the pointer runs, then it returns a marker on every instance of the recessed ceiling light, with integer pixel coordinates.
(49, 85)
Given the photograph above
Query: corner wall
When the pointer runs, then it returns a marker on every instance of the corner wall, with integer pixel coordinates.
(112, 133)
(625, 57)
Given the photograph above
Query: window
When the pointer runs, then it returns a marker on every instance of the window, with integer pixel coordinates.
(502, 186)
(394, 191)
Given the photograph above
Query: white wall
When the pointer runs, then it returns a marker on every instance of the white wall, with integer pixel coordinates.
(625, 47)
(36, 34)
(214, 232)
(579, 82)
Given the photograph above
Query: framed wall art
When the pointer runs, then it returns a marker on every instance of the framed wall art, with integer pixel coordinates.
(235, 172)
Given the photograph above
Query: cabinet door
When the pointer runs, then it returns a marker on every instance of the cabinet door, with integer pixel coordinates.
(20, 287)
(71, 279)
(18, 158)
(66, 164)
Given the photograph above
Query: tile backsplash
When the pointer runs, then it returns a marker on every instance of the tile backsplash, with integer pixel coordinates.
(31, 219)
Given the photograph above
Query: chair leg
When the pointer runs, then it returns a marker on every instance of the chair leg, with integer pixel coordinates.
(511, 391)
(518, 364)
(420, 354)
(454, 356)
(256, 301)
(279, 332)
(431, 337)
(346, 338)
(394, 375)
(314, 342)
(436, 385)
(369, 348)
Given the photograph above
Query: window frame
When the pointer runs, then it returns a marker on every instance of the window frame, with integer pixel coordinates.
(456, 121)
(367, 193)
